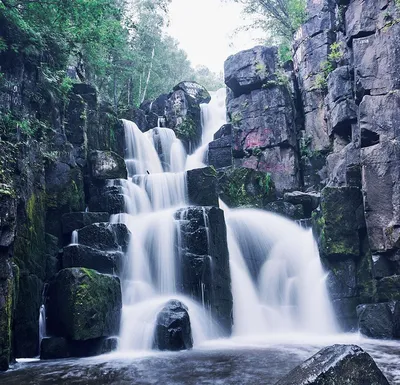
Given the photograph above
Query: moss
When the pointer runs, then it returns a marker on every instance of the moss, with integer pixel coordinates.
(187, 129)
(236, 118)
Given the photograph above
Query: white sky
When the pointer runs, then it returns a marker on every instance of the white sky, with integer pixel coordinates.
(205, 30)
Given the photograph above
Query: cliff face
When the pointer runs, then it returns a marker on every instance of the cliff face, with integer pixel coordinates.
(329, 125)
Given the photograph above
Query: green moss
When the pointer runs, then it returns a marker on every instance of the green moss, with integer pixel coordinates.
(187, 129)
(236, 118)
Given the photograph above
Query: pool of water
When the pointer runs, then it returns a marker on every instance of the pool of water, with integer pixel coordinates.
(225, 362)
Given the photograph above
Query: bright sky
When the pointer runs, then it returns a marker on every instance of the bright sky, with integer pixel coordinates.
(206, 30)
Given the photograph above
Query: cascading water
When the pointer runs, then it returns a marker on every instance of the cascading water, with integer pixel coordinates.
(278, 283)
(213, 117)
(42, 317)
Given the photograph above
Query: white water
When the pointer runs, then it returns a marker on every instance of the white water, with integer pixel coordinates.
(74, 237)
(278, 283)
(213, 117)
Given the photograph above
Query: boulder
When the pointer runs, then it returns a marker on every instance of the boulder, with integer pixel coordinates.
(105, 236)
(75, 221)
(337, 364)
(106, 262)
(286, 209)
(202, 187)
(137, 116)
(310, 200)
(388, 289)
(204, 261)
(220, 152)
(242, 186)
(376, 320)
(108, 199)
(52, 348)
(173, 331)
(225, 130)
(107, 165)
(84, 305)
(195, 91)
(250, 69)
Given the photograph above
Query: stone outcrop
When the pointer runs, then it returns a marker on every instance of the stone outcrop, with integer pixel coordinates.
(337, 364)
(173, 331)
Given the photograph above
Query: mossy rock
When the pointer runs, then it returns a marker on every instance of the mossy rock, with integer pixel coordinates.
(84, 304)
(388, 289)
(244, 187)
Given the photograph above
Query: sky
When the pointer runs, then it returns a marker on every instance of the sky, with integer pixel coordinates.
(205, 29)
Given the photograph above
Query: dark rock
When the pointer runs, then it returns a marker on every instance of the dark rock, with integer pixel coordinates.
(204, 261)
(245, 187)
(202, 187)
(108, 199)
(286, 209)
(225, 130)
(249, 70)
(195, 91)
(341, 281)
(107, 165)
(105, 236)
(173, 330)
(84, 304)
(75, 221)
(346, 313)
(310, 201)
(106, 262)
(137, 116)
(382, 267)
(220, 152)
(53, 348)
(337, 364)
(388, 289)
(376, 320)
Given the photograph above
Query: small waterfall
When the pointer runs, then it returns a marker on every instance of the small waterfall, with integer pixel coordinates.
(213, 117)
(74, 238)
(42, 317)
(278, 282)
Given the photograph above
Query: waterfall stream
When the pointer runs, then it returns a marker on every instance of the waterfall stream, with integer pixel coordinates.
(278, 283)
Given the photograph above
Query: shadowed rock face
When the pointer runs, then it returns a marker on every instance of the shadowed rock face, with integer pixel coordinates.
(337, 364)
(173, 330)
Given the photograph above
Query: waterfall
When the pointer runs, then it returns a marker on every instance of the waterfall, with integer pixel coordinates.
(74, 237)
(278, 282)
(155, 190)
(213, 117)
(42, 317)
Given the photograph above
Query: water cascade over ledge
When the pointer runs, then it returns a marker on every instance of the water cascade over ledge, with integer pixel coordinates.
(277, 280)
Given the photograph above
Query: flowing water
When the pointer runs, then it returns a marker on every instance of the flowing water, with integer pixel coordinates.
(281, 310)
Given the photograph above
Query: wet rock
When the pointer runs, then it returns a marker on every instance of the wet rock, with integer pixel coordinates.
(84, 304)
(75, 221)
(107, 165)
(107, 199)
(195, 91)
(376, 320)
(250, 69)
(204, 261)
(202, 187)
(106, 262)
(310, 201)
(242, 186)
(105, 236)
(52, 348)
(341, 281)
(388, 289)
(337, 364)
(285, 209)
(382, 267)
(137, 116)
(173, 330)
(225, 130)
(220, 152)
(346, 314)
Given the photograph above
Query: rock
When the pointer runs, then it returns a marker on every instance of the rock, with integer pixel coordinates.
(382, 267)
(107, 165)
(249, 70)
(337, 364)
(195, 91)
(225, 130)
(204, 261)
(106, 262)
(84, 304)
(105, 236)
(202, 187)
(137, 116)
(77, 220)
(220, 152)
(285, 209)
(242, 186)
(376, 320)
(343, 217)
(388, 289)
(346, 314)
(310, 201)
(173, 330)
(52, 348)
(108, 199)
(341, 281)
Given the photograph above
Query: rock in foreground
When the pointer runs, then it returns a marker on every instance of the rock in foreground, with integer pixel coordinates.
(173, 330)
(337, 365)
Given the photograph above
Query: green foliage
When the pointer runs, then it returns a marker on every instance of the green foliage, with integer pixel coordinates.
(285, 53)
(187, 129)
(208, 79)
(328, 66)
